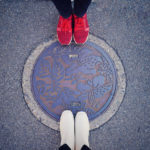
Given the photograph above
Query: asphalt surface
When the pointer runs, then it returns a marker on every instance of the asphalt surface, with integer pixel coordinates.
(123, 24)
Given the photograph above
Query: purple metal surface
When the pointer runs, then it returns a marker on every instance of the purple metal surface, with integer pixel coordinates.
(75, 78)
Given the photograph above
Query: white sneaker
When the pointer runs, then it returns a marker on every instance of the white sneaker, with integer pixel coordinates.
(82, 128)
(67, 129)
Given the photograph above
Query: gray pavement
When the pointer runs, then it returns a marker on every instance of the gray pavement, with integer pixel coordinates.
(123, 24)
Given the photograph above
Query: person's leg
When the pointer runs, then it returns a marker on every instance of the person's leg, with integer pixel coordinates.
(64, 7)
(84, 147)
(64, 147)
(67, 130)
(81, 26)
(82, 128)
(80, 7)
(64, 27)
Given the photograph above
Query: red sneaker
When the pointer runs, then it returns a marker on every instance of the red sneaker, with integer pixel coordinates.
(81, 29)
(64, 30)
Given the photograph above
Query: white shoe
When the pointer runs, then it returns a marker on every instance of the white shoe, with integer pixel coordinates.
(82, 128)
(67, 129)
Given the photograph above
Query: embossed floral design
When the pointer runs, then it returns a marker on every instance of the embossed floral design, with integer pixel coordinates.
(78, 83)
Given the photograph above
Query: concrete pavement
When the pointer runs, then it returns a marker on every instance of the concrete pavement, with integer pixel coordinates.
(124, 25)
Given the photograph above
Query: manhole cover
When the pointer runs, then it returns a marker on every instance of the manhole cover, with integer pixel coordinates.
(78, 78)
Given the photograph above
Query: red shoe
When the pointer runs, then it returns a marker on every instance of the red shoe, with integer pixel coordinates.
(81, 29)
(64, 30)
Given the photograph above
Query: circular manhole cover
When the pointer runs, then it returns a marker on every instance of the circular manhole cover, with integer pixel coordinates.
(88, 78)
